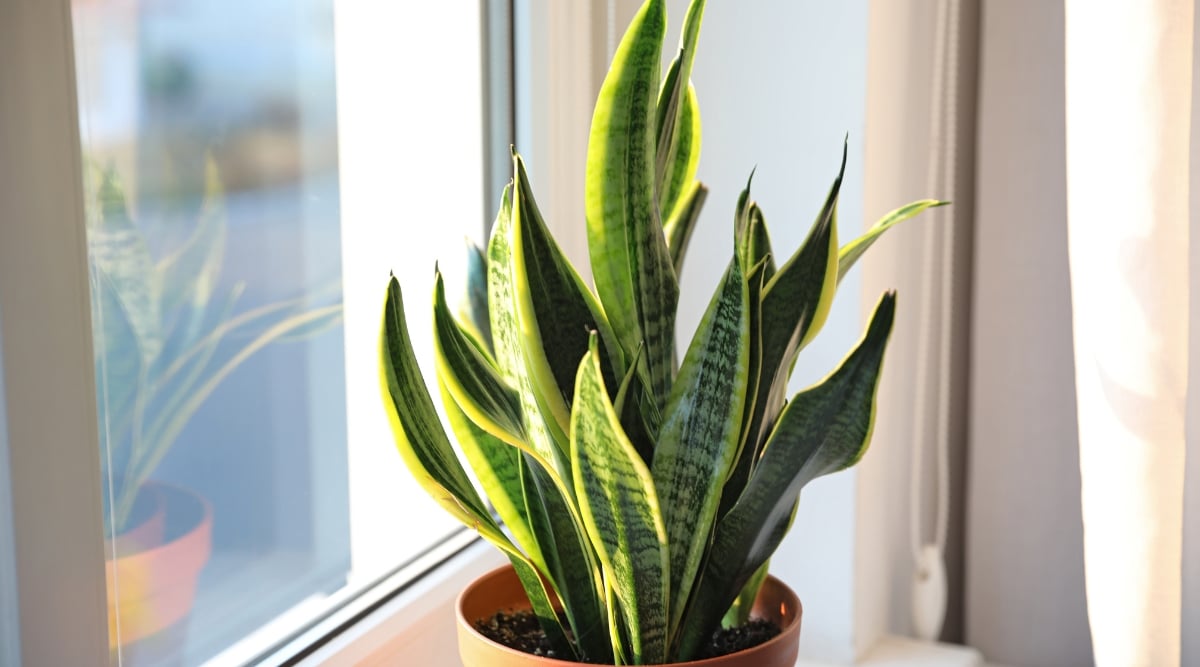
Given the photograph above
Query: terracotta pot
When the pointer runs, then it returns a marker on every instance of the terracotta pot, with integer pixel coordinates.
(500, 589)
(152, 588)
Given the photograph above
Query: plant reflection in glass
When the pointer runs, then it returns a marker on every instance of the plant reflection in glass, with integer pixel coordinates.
(165, 334)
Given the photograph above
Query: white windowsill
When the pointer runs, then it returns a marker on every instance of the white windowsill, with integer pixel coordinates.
(418, 625)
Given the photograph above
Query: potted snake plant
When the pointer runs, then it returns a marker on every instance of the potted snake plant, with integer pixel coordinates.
(643, 490)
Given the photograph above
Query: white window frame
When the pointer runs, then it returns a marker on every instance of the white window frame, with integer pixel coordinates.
(54, 453)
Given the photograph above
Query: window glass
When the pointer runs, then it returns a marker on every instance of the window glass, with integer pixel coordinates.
(238, 267)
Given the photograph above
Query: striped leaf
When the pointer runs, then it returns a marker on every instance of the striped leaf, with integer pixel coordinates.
(682, 159)
(506, 340)
(572, 565)
(470, 378)
(621, 512)
(850, 252)
(823, 429)
(496, 465)
(631, 265)
(555, 311)
(754, 244)
(427, 453)
(677, 119)
(628, 404)
(679, 227)
(701, 430)
(795, 304)
(748, 448)
(739, 612)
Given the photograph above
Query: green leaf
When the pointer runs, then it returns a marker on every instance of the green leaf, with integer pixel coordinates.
(748, 448)
(429, 457)
(683, 158)
(628, 403)
(682, 223)
(824, 429)
(739, 614)
(469, 378)
(496, 466)
(631, 264)
(473, 309)
(850, 252)
(755, 244)
(701, 430)
(555, 311)
(677, 117)
(621, 512)
(572, 565)
(506, 340)
(795, 304)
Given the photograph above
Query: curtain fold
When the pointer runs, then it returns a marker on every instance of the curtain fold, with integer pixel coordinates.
(1128, 101)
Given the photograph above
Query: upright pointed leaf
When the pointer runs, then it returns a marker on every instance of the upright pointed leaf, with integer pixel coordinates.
(795, 304)
(427, 454)
(496, 466)
(748, 449)
(631, 265)
(755, 244)
(628, 403)
(678, 152)
(701, 430)
(850, 252)
(506, 340)
(470, 379)
(679, 227)
(621, 513)
(571, 563)
(555, 311)
(824, 429)
(677, 117)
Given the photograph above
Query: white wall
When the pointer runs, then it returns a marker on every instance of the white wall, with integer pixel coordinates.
(780, 85)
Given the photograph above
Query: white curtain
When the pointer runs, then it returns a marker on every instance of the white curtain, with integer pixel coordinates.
(1128, 116)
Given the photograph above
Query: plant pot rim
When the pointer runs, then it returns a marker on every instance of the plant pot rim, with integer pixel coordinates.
(781, 602)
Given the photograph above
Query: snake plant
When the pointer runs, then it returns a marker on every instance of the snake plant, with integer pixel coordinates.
(166, 336)
(642, 496)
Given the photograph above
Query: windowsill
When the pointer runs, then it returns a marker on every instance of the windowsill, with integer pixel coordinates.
(893, 651)
(419, 625)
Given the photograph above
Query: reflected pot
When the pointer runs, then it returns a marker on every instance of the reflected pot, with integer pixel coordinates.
(500, 590)
(152, 581)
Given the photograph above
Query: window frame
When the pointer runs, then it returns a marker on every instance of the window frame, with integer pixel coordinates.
(54, 463)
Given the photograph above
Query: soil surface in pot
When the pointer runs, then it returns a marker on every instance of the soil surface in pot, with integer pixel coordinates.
(520, 630)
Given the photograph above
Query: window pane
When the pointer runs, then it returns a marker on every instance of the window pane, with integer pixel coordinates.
(239, 248)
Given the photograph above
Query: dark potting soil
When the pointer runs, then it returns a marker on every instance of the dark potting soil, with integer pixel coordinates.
(731, 640)
(520, 630)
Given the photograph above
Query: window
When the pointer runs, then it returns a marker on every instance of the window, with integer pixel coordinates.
(405, 77)
(249, 179)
